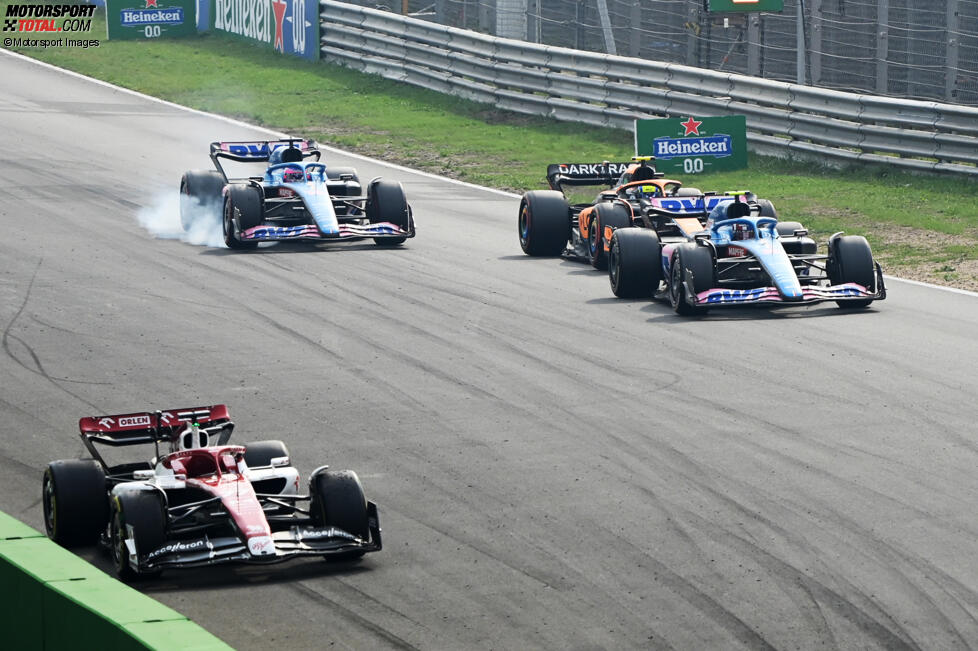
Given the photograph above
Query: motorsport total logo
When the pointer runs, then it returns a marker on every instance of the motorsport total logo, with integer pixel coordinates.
(693, 145)
(34, 18)
(150, 18)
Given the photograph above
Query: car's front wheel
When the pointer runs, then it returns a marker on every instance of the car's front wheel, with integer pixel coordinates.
(695, 262)
(851, 261)
(338, 501)
(386, 202)
(244, 203)
(605, 214)
(635, 263)
(138, 516)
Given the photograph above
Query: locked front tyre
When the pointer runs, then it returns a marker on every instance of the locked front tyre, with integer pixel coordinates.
(244, 204)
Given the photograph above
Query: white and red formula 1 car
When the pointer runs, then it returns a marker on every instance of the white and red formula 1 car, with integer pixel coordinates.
(200, 501)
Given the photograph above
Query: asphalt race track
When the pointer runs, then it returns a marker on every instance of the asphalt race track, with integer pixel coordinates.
(555, 468)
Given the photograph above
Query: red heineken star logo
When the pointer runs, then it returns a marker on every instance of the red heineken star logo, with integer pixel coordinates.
(692, 126)
(278, 6)
(152, 3)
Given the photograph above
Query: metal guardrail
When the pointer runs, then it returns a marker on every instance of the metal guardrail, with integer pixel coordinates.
(613, 91)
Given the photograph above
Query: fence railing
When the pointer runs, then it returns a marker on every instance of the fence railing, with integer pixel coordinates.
(613, 91)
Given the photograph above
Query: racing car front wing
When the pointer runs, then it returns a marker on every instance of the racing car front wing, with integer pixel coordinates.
(311, 232)
(300, 540)
(770, 295)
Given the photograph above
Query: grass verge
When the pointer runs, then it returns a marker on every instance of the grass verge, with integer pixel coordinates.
(922, 227)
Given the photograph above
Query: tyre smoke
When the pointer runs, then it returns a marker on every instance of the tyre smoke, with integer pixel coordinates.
(202, 220)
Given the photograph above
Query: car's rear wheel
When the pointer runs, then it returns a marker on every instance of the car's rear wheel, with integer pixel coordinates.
(338, 501)
(260, 453)
(544, 223)
(851, 261)
(386, 202)
(635, 263)
(767, 208)
(141, 516)
(75, 502)
(334, 173)
(245, 203)
(605, 214)
(200, 197)
(698, 262)
(787, 229)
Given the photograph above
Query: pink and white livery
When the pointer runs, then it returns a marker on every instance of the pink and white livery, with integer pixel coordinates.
(199, 500)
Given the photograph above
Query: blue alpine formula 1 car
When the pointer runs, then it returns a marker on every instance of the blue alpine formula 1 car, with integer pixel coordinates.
(297, 197)
(741, 255)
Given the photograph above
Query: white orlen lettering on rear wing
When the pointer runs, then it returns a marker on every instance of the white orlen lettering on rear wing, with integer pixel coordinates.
(143, 427)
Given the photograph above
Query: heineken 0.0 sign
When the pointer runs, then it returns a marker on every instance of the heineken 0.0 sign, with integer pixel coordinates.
(150, 18)
(693, 145)
(746, 5)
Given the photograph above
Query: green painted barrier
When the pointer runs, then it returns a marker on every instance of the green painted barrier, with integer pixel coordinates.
(52, 599)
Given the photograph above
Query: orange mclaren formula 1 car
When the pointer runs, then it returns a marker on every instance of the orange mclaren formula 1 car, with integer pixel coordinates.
(636, 195)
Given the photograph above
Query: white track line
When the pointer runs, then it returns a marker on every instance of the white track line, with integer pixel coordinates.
(279, 134)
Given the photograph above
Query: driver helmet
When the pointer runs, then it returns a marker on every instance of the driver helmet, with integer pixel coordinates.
(645, 191)
(292, 175)
(192, 437)
(741, 231)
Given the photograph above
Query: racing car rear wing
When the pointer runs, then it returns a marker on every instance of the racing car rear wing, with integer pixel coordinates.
(147, 427)
(257, 151)
(605, 173)
(261, 150)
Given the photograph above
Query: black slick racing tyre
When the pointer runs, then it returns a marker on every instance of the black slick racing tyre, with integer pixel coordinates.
(334, 173)
(141, 514)
(851, 261)
(245, 203)
(605, 214)
(767, 208)
(76, 506)
(635, 263)
(338, 501)
(200, 196)
(260, 453)
(698, 261)
(544, 223)
(787, 229)
(386, 203)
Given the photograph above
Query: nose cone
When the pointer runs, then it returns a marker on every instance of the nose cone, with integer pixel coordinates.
(261, 546)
